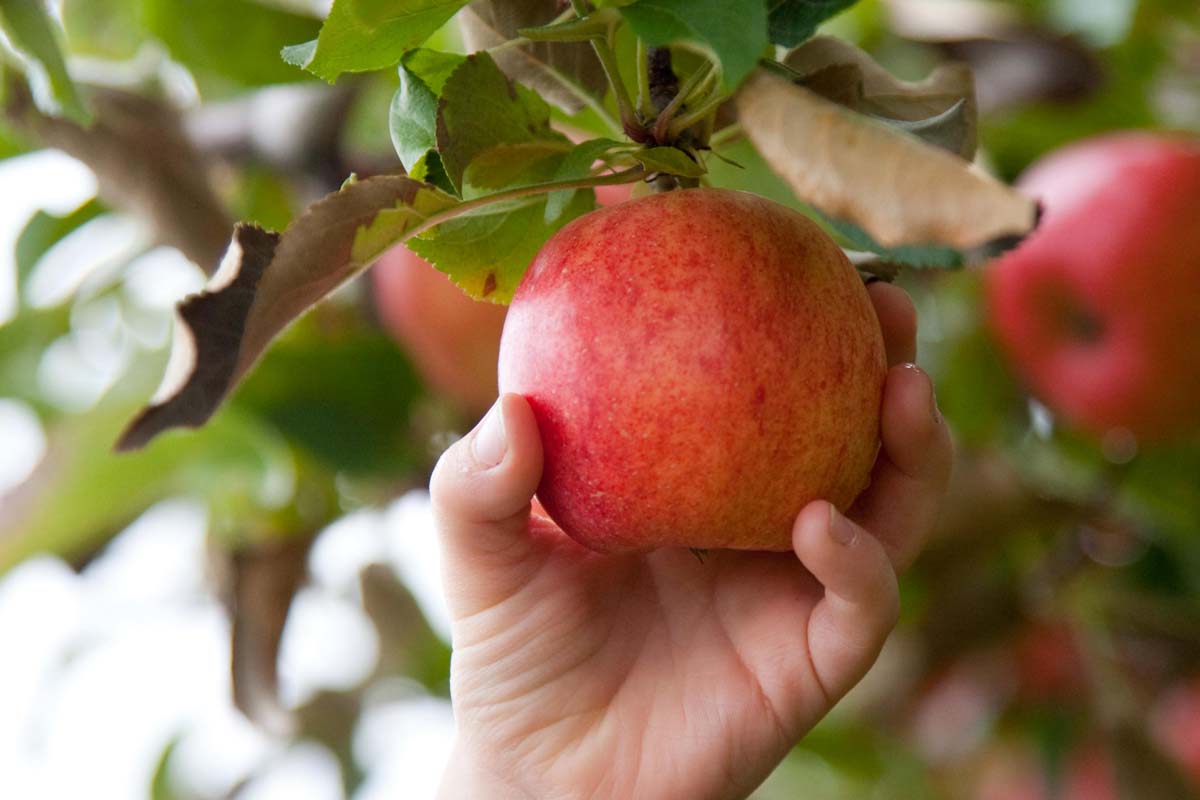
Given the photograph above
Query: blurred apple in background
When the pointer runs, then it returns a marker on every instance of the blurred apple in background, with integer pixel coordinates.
(1098, 308)
(1175, 727)
(452, 339)
(1018, 772)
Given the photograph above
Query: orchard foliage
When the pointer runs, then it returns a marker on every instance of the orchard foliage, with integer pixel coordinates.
(470, 133)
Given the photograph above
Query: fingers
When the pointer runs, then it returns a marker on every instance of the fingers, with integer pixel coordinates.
(861, 603)
(897, 319)
(481, 491)
(913, 469)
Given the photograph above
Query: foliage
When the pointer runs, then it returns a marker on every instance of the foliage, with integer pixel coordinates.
(311, 412)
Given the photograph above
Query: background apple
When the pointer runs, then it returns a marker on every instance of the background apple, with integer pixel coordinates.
(702, 364)
(452, 339)
(1175, 726)
(1098, 309)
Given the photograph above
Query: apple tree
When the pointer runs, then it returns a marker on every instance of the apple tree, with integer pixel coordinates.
(1050, 633)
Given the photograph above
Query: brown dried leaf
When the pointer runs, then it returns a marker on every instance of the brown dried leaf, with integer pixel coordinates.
(265, 281)
(541, 66)
(889, 183)
(839, 71)
(144, 164)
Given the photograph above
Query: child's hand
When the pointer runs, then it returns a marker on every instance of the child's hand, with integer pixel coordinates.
(660, 676)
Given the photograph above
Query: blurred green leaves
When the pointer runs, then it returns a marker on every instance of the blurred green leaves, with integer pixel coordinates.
(30, 28)
(227, 39)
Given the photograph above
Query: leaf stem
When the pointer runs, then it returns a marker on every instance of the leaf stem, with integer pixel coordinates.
(645, 107)
(663, 123)
(730, 133)
(508, 44)
(624, 176)
(685, 121)
(608, 60)
(588, 99)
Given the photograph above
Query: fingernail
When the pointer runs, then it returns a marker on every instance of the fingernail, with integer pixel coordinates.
(933, 406)
(490, 442)
(841, 530)
(934, 413)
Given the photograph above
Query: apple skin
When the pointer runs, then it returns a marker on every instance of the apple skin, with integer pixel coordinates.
(1097, 309)
(702, 364)
(452, 339)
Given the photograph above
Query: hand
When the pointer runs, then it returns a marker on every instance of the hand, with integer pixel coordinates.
(659, 675)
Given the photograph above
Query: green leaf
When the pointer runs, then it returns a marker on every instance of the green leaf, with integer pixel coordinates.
(31, 30)
(576, 164)
(412, 118)
(197, 34)
(917, 255)
(481, 108)
(512, 165)
(429, 169)
(486, 253)
(363, 35)
(670, 160)
(734, 32)
(160, 782)
(344, 400)
(43, 231)
(10, 144)
(793, 21)
(433, 67)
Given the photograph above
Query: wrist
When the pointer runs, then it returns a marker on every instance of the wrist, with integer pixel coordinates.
(467, 775)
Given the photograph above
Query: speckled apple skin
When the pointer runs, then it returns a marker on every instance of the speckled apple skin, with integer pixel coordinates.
(702, 364)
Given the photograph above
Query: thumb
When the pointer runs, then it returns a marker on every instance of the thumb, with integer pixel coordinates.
(481, 491)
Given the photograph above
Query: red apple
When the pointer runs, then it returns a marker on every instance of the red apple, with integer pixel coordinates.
(1049, 665)
(702, 364)
(1097, 309)
(1175, 726)
(1016, 773)
(452, 339)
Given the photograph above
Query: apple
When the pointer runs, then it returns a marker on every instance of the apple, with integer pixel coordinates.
(452, 339)
(1015, 772)
(1096, 309)
(701, 363)
(1175, 726)
(1050, 667)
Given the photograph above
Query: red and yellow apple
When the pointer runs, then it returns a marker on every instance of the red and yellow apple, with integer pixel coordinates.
(701, 364)
(452, 339)
(1097, 309)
